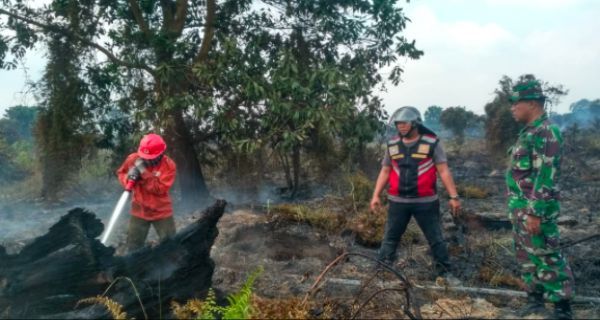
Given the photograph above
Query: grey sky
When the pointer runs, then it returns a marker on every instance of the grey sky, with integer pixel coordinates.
(469, 45)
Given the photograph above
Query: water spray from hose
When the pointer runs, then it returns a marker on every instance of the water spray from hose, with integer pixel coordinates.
(118, 209)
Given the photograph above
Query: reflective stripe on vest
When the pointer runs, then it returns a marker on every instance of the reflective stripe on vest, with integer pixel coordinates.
(414, 174)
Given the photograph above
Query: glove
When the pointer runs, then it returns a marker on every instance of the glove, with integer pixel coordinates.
(140, 164)
(134, 174)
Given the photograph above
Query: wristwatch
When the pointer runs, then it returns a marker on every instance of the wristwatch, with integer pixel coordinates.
(456, 197)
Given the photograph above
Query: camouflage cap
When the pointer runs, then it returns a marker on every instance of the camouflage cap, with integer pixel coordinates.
(527, 90)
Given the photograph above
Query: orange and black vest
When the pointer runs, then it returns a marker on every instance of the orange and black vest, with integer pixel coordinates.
(413, 173)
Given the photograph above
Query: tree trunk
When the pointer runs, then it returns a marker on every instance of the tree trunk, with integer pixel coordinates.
(286, 169)
(296, 168)
(194, 193)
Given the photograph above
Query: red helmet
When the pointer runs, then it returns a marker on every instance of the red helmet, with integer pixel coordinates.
(151, 146)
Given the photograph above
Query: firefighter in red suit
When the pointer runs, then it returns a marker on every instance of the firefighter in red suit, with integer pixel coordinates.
(412, 162)
(152, 174)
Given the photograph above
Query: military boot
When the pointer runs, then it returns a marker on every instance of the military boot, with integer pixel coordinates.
(562, 310)
(535, 304)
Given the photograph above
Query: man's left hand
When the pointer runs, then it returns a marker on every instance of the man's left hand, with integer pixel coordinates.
(454, 205)
(533, 224)
(133, 174)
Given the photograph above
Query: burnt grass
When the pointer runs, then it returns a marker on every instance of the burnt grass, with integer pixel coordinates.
(294, 252)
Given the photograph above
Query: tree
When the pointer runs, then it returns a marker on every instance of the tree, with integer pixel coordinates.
(325, 58)
(501, 129)
(150, 49)
(9, 171)
(17, 124)
(585, 111)
(458, 119)
(432, 118)
(203, 72)
(60, 142)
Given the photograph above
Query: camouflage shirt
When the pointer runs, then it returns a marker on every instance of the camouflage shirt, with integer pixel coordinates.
(534, 169)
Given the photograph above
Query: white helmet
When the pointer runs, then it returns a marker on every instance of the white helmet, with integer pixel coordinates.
(406, 114)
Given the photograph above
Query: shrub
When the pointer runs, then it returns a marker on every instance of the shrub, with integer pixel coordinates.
(321, 217)
(472, 191)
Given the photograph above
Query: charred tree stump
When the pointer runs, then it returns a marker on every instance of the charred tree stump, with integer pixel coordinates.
(49, 276)
(476, 222)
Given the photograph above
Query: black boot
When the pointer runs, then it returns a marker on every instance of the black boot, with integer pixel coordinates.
(562, 310)
(535, 304)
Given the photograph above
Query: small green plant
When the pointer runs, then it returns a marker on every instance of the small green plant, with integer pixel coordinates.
(210, 308)
(239, 303)
(239, 307)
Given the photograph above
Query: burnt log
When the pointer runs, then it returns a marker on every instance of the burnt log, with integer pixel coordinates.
(474, 222)
(48, 276)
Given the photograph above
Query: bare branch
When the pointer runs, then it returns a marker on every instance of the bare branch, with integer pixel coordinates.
(209, 30)
(83, 40)
(139, 17)
(181, 11)
(167, 9)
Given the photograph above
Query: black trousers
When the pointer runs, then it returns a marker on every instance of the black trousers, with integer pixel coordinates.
(428, 218)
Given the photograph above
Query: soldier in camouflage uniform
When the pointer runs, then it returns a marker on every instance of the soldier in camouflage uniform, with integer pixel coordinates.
(533, 203)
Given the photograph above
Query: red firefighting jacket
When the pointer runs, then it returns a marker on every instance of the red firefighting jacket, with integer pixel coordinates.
(151, 200)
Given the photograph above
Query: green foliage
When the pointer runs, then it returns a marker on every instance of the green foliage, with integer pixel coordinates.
(210, 309)
(18, 123)
(239, 304)
(501, 128)
(23, 155)
(310, 88)
(9, 170)
(457, 120)
(58, 134)
(16, 145)
(273, 74)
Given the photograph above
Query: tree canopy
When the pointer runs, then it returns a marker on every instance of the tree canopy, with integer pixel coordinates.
(235, 73)
(432, 118)
(458, 119)
(17, 123)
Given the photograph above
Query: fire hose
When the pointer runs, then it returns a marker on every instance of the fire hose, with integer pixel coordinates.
(121, 203)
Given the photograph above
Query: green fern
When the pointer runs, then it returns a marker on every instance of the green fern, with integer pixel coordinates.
(210, 309)
(239, 303)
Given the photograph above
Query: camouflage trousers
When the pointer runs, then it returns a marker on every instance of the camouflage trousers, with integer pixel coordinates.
(543, 268)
